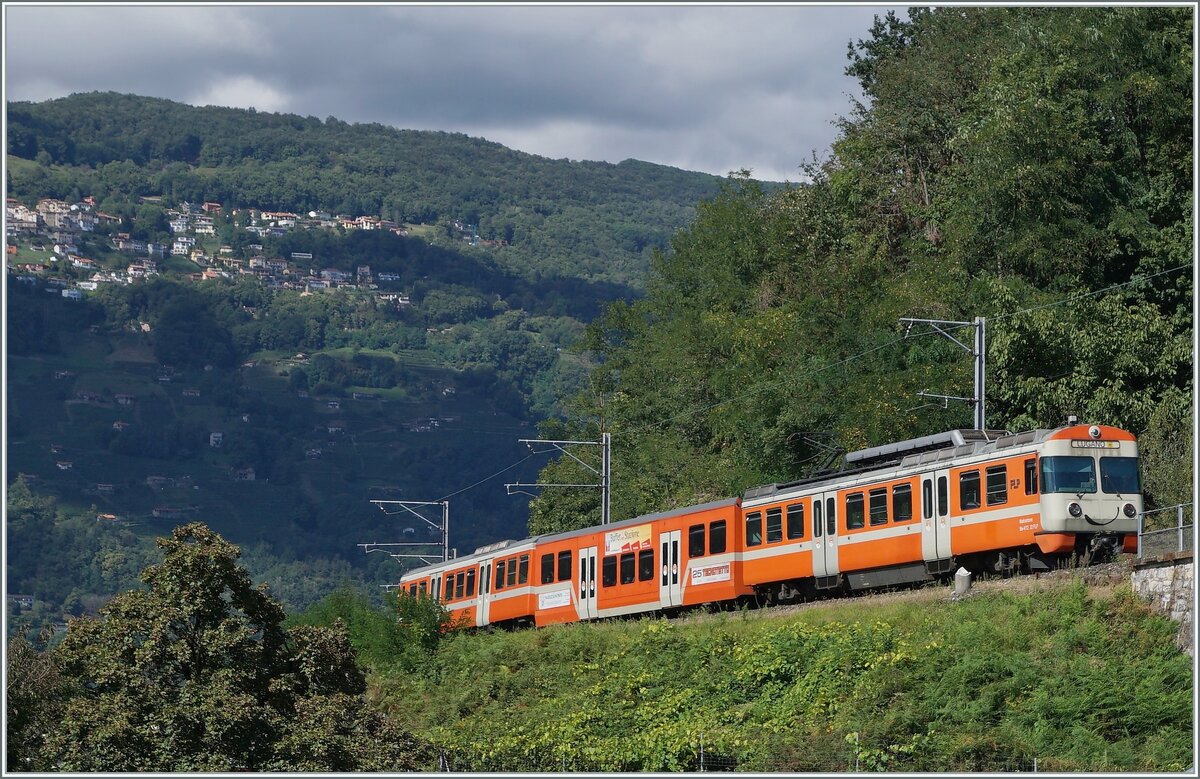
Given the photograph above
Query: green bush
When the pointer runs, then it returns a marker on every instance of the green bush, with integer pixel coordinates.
(1083, 683)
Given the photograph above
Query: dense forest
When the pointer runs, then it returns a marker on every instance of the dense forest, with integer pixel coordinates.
(588, 219)
(1030, 166)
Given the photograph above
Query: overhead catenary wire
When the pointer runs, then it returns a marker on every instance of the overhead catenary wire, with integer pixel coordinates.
(487, 478)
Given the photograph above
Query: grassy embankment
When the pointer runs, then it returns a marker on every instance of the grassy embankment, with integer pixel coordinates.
(1081, 679)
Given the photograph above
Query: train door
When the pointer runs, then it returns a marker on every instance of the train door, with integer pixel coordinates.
(935, 521)
(485, 592)
(825, 537)
(670, 592)
(435, 587)
(585, 605)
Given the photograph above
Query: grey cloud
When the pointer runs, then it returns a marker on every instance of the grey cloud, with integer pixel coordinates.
(700, 87)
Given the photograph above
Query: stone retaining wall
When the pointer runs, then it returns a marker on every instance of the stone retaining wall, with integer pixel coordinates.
(1166, 581)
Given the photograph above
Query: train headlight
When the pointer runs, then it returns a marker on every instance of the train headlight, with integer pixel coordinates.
(1094, 431)
(1130, 511)
(1075, 510)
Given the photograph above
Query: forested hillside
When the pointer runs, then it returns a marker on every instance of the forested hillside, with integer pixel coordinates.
(201, 384)
(275, 415)
(570, 218)
(1031, 166)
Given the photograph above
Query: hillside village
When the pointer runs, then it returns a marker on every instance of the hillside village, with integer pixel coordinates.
(80, 248)
(56, 228)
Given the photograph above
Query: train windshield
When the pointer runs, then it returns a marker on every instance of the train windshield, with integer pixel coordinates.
(1119, 475)
(1068, 474)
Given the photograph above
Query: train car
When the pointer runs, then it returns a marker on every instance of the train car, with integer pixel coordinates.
(915, 509)
(649, 563)
(654, 562)
(491, 586)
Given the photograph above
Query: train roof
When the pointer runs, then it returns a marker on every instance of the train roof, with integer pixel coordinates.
(637, 520)
(899, 455)
(514, 544)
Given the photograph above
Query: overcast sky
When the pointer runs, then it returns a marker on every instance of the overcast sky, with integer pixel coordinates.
(705, 88)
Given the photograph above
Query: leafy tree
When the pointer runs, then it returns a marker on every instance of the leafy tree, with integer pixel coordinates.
(196, 672)
(35, 692)
(1028, 165)
(401, 635)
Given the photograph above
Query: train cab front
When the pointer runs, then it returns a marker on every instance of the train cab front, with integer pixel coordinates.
(1090, 491)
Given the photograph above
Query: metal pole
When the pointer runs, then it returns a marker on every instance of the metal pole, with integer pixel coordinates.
(980, 370)
(1141, 526)
(606, 479)
(445, 530)
(1180, 527)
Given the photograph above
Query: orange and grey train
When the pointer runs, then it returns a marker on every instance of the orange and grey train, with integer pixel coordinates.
(900, 513)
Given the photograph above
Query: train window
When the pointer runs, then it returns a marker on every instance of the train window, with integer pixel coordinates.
(421, 587)
(854, 511)
(627, 568)
(753, 529)
(547, 568)
(485, 579)
(499, 574)
(1119, 475)
(1031, 477)
(1067, 474)
(523, 569)
(608, 571)
(716, 537)
(412, 589)
(437, 589)
(696, 541)
(902, 503)
(645, 565)
(830, 518)
(774, 525)
(968, 490)
(564, 565)
(943, 496)
(879, 512)
(997, 485)
(795, 521)
(471, 583)
(818, 525)
(460, 585)
(510, 578)
(927, 498)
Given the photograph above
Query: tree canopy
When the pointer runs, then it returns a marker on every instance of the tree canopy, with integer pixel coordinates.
(1032, 166)
(196, 672)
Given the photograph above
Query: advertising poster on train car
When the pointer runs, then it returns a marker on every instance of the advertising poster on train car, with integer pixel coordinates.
(627, 539)
(711, 573)
(552, 600)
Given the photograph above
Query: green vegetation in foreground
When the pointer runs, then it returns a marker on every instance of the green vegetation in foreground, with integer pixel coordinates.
(1082, 680)
(195, 671)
